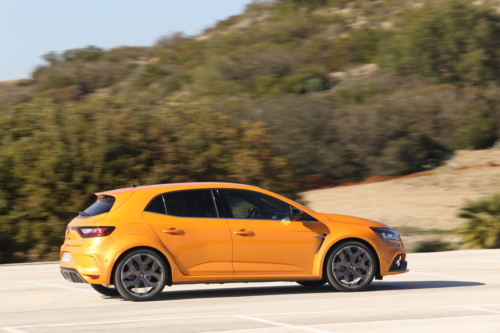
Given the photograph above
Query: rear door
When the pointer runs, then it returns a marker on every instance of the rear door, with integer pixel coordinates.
(265, 241)
(189, 225)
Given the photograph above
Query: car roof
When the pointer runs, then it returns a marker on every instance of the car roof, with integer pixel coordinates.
(176, 185)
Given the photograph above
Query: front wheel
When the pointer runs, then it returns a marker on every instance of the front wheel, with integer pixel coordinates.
(351, 266)
(106, 291)
(141, 275)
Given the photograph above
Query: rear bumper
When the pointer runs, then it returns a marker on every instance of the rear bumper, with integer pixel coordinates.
(71, 275)
(92, 258)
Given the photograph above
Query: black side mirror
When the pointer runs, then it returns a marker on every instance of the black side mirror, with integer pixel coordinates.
(296, 214)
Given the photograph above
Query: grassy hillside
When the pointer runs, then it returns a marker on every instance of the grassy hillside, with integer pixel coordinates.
(289, 89)
(425, 73)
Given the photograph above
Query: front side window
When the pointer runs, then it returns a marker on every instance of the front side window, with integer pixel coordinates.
(198, 203)
(253, 205)
(103, 205)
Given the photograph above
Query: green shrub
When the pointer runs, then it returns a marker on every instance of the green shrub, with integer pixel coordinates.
(434, 246)
(479, 129)
(482, 229)
(89, 53)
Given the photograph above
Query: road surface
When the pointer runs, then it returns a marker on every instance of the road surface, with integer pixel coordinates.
(445, 292)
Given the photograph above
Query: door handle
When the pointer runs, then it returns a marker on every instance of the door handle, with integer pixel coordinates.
(173, 231)
(244, 233)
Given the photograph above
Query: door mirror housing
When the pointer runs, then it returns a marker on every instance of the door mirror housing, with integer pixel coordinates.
(296, 214)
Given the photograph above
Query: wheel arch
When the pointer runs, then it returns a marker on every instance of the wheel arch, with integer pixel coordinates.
(164, 258)
(351, 239)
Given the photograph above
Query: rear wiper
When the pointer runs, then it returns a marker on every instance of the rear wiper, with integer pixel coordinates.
(84, 214)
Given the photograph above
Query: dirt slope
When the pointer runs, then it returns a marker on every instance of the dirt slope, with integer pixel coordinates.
(425, 203)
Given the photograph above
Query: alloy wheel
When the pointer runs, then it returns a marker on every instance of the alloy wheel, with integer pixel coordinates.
(142, 275)
(352, 266)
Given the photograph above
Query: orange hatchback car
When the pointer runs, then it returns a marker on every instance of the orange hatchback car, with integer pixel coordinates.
(132, 242)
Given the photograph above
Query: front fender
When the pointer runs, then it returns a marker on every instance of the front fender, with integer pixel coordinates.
(339, 232)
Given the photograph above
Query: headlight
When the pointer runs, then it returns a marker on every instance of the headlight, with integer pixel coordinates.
(387, 235)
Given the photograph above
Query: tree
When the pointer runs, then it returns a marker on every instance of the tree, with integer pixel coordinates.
(483, 227)
(50, 168)
(456, 43)
(308, 3)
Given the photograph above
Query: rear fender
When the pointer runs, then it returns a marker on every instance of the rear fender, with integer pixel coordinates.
(151, 241)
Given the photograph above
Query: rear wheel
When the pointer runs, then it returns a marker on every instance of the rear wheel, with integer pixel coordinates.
(141, 275)
(312, 284)
(351, 266)
(105, 290)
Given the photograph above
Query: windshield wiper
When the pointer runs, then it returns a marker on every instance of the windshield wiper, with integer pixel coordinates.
(84, 214)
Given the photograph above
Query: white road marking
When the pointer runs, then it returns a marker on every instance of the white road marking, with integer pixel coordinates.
(16, 280)
(275, 323)
(249, 315)
(440, 261)
(116, 322)
(12, 330)
(363, 310)
(58, 286)
(484, 276)
(439, 275)
(481, 309)
(43, 295)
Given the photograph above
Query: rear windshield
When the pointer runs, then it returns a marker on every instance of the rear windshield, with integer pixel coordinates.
(101, 206)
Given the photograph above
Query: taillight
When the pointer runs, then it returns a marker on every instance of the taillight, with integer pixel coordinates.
(89, 232)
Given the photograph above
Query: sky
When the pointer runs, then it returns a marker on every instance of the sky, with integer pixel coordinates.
(32, 28)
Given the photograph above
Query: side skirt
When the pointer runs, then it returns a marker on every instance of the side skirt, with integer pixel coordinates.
(247, 281)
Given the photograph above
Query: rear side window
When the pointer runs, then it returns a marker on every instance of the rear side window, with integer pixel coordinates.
(197, 203)
(103, 205)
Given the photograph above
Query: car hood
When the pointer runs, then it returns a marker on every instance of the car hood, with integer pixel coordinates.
(356, 220)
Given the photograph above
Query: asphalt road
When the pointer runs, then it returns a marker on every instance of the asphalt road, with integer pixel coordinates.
(445, 292)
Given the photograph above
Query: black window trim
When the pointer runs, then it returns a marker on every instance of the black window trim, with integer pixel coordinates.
(222, 208)
(221, 202)
(215, 203)
(164, 203)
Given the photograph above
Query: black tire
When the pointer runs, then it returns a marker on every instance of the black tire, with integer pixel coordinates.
(141, 275)
(312, 284)
(106, 291)
(350, 266)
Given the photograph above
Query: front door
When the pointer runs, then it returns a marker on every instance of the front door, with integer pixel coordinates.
(187, 222)
(265, 241)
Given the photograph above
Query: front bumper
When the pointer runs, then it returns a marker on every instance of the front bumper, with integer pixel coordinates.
(398, 264)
